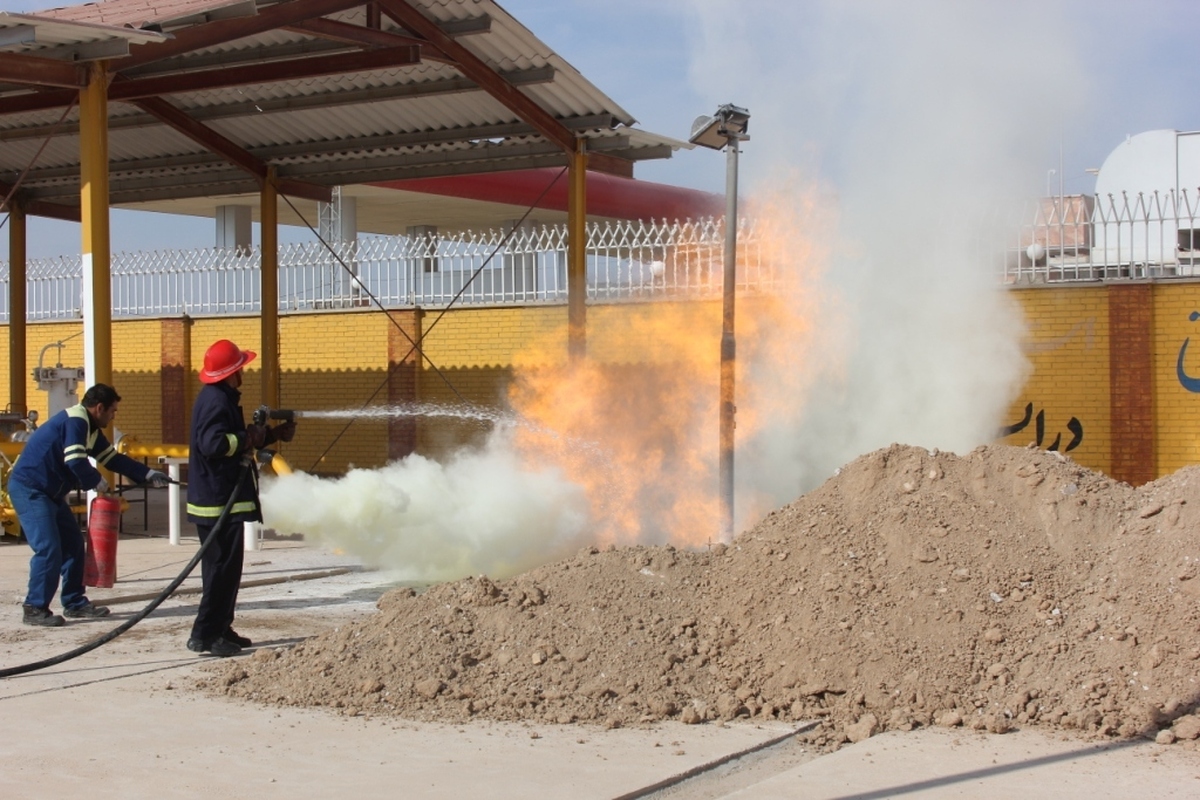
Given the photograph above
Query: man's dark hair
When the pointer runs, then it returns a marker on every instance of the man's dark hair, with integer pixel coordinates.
(100, 394)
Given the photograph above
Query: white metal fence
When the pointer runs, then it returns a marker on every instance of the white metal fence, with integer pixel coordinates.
(1061, 239)
(625, 261)
(1089, 238)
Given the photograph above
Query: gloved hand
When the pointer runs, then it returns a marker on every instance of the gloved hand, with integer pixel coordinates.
(158, 480)
(285, 432)
(102, 487)
(256, 436)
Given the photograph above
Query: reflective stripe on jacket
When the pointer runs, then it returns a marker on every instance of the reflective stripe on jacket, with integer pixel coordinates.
(218, 439)
(55, 458)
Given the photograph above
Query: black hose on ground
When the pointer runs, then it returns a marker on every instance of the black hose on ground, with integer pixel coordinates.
(218, 528)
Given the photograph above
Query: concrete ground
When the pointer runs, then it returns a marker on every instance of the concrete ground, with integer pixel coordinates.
(124, 720)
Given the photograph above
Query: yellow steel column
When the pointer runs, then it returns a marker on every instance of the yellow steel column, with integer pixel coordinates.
(17, 253)
(93, 200)
(269, 216)
(577, 253)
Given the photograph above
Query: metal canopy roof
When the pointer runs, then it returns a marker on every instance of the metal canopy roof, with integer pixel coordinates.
(205, 95)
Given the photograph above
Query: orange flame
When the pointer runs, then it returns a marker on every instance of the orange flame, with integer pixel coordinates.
(635, 423)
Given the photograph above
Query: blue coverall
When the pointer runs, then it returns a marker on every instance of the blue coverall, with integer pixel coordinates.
(53, 463)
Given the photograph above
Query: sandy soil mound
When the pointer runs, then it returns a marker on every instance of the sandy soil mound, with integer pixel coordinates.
(1006, 587)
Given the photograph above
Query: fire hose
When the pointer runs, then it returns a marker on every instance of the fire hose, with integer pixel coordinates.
(218, 528)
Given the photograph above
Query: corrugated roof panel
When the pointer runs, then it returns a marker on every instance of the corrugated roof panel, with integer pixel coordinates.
(327, 84)
(137, 13)
(323, 127)
(59, 152)
(158, 141)
(381, 118)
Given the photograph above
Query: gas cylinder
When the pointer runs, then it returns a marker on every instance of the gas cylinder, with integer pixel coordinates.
(100, 559)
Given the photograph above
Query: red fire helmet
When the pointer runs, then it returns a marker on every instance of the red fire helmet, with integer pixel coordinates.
(223, 359)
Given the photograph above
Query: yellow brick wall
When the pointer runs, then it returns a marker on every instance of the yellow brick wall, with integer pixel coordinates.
(1068, 349)
(37, 336)
(493, 337)
(1176, 407)
(333, 361)
(137, 376)
(339, 360)
(475, 350)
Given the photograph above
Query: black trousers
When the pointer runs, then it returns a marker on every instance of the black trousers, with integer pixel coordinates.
(221, 577)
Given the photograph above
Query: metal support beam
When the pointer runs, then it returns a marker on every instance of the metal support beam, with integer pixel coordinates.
(254, 74)
(268, 18)
(93, 199)
(361, 36)
(577, 254)
(478, 70)
(23, 69)
(268, 215)
(17, 254)
(40, 101)
(38, 208)
(227, 149)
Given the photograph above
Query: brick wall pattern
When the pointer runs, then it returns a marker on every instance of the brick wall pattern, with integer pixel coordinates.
(1104, 385)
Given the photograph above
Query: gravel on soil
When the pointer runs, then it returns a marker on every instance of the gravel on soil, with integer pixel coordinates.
(1006, 587)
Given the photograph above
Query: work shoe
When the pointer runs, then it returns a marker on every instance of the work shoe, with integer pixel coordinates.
(41, 617)
(218, 647)
(233, 636)
(88, 610)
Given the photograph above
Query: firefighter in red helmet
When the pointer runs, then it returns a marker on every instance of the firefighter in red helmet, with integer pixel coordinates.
(219, 440)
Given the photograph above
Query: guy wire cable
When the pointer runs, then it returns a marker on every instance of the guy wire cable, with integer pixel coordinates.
(20, 178)
(413, 345)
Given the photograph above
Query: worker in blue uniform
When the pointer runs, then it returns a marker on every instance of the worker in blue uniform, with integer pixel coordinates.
(221, 444)
(53, 463)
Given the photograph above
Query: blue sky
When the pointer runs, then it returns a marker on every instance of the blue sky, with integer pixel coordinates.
(868, 99)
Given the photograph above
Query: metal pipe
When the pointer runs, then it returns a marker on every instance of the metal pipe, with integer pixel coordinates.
(269, 277)
(93, 203)
(728, 342)
(17, 305)
(577, 254)
(135, 449)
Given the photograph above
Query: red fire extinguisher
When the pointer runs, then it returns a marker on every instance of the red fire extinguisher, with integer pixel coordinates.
(100, 559)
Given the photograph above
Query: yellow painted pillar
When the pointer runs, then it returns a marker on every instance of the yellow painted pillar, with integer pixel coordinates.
(577, 253)
(269, 216)
(93, 200)
(17, 254)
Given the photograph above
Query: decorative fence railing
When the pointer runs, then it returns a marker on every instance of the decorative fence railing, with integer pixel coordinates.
(625, 261)
(1060, 239)
(1111, 237)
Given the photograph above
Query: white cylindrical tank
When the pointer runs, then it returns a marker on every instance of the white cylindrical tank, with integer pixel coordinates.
(1148, 200)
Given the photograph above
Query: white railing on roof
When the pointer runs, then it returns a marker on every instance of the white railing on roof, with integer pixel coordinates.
(625, 261)
(1114, 237)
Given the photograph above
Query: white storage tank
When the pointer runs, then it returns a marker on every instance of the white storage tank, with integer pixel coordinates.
(1147, 215)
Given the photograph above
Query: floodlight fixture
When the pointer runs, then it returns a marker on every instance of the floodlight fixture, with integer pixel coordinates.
(716, 132)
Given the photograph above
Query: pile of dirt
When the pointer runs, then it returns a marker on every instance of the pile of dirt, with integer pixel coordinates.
(1005, 587)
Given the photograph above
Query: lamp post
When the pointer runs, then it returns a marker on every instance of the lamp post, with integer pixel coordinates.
(723, 131)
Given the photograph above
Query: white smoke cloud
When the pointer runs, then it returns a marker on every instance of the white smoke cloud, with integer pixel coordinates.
(483, 512)
(908, 122)
(925, 116)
